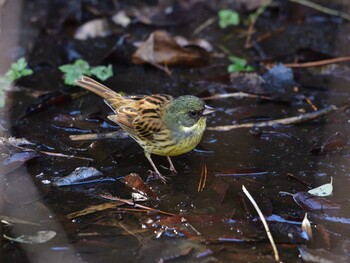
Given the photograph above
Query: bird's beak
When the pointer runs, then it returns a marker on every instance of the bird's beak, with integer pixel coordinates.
(207, 110)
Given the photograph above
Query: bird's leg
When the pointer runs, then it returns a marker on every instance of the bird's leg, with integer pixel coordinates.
(171, 166)
(156, 173)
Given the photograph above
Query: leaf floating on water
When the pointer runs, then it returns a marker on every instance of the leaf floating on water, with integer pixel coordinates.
(16, 160)
(135, 182)
(311, 202)
(15, 141)
(38, 238)
(323, 190)
(79, 174)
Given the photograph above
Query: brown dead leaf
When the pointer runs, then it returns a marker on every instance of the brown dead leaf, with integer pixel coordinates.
(135, 182)
(161, 50)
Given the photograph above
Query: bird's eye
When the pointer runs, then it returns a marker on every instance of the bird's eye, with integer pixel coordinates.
(193, 113)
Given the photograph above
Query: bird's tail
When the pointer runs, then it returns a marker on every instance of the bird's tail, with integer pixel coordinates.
(95, 87)
(112, 98)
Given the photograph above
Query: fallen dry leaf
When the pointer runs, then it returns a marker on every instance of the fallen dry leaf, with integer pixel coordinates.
(135, 182)
(161, 50)
(92, 29)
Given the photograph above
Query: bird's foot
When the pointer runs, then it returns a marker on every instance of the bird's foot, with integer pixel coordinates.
(172, 170)
(155, 175)
(171, 166)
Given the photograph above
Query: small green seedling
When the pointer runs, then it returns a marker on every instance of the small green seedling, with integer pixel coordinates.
(228, 17)
(18, 70)
(238, 65)
(102, 72)
(81, 67)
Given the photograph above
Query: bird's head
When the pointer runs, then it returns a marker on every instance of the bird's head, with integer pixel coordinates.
(187, 113)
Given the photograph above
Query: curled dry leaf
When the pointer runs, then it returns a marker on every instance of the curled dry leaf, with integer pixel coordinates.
(161, 50)
(306, 227)
(200, 42)
(323, 190)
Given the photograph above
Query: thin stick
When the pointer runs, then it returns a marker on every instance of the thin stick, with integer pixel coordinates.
(258, 12)
(204, 25)
(54, 153)
(203, 178)
(323, 9)
(318, 63)
(312, 105)
(200, 182)
(267, 229)
(99, 136)
(238, 95)
(286, 121)
(110, 197)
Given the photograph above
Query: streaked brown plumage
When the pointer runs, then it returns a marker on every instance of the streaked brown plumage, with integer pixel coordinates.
(159, 123)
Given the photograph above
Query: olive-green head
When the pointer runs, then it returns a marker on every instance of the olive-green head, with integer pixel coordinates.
(186, 111)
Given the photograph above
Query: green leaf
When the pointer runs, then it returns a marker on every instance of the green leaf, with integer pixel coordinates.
(238, 65)
(228, 17)
(18, 70)
(75, 71)
(4, 85)
(81, 67)
(102, 72)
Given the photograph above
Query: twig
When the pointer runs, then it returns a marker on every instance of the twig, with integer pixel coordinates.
(286, 121)
(312, 105)
(62, 155)
(93, 209)
(322, 9)
(317, 63)
(53, 153)
(238, 95)
(110, 197)
(203, 179)
(254, 18)
(267, 229)
(204, 25)
(266, 36)
(99, 136)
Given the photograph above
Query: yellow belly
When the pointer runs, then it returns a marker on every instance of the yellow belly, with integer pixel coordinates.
(175, 143)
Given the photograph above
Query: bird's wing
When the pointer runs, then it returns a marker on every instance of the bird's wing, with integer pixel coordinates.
(144, 117)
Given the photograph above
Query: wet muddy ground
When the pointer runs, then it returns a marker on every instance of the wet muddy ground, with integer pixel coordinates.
(184, 220)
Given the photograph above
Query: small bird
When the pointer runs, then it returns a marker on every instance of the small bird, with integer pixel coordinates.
(159, 123)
